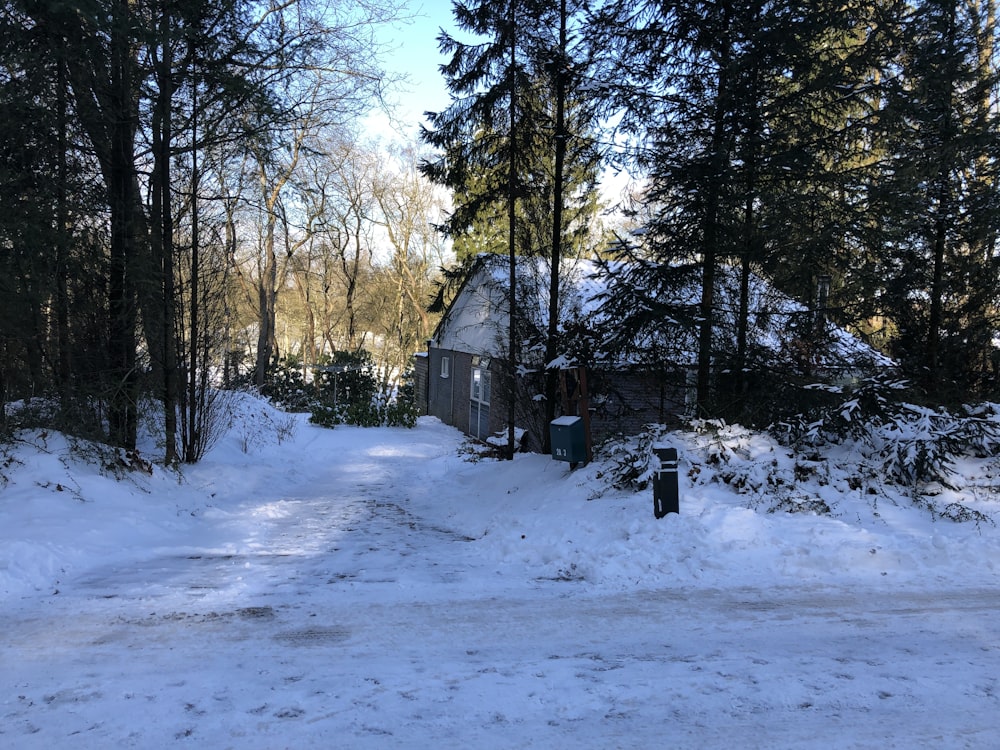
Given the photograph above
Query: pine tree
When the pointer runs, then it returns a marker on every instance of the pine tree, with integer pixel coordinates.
(48, 253)
(517, 139)
(482, 133)
(942, 287)
(744, 114)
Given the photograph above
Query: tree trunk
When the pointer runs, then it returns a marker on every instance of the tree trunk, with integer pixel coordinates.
(267, 283)
(710, 233)
(266, 301)
(162, 232)
(197, 364)
(105, 90)
(64, 368)
(122, 197)
(942, 217)
(512, 252)
(551, 342)
(935, 317)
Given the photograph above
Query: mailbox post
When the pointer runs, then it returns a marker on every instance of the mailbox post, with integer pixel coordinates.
(666, 496)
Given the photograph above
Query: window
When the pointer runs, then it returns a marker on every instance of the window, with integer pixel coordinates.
(445, 366)
(479, 403)
(481, 385)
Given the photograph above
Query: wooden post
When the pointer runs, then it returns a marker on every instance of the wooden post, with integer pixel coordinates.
(576, 402)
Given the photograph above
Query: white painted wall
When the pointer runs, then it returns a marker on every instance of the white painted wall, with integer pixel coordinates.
(477, 320)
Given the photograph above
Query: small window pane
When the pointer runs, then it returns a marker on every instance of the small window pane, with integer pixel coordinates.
(445, 366)
(477, 378)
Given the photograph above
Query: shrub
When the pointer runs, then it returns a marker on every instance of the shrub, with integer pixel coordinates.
(401, 412)
(919, 445)
(379, 412)
(346, 391)
(285, 386)
(346, 378)
(630, 461)
(843, 412)
(908, 445)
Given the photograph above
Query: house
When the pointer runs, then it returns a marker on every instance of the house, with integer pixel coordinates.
(644, 377)
(466, 354)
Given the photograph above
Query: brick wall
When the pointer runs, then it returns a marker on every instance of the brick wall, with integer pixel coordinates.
(620, 401)
(420, 382)
(624, 402)
(448, 397)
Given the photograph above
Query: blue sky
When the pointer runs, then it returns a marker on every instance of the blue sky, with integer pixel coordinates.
(416, 54)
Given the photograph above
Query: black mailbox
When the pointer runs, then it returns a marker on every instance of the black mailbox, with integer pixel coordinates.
(666, 496)
(568, 439)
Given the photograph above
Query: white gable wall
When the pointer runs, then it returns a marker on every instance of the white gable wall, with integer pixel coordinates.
(477, 319)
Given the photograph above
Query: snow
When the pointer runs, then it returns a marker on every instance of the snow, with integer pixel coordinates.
(391, 588)
(472, 325)
(565, 421)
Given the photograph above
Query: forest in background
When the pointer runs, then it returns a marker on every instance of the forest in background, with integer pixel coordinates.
(186, 196)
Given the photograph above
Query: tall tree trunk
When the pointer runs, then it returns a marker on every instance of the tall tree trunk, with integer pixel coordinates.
(309, 354)
(351, 293)
(267, 282)
(511, 238)
(197, 364)
(105, 91)
(710, 227)
(266, 302)
(942, 216)
(162, 232)
(936, 314)
(122, 184)
(64, 368)
(750, 159)
(551, 342)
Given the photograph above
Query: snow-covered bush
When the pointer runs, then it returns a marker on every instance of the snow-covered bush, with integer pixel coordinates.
(916, 446)
(721, 441)
(344, 390)
(982, 429)
(749, 463)
(379, 411)
(36, 412)
(906, 444)
(915, 450)
(353, 396)
(258, 424)
(753, 464)
(629, 461)
(286, 386)
(7, 460)
(812, 505)
(920, 445)
(848, 412)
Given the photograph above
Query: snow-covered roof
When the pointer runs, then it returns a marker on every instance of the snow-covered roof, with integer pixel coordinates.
(477, 319)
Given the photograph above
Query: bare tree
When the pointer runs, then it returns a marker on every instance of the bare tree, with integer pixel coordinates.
(350, 231)
(273, 175)
(409, 207)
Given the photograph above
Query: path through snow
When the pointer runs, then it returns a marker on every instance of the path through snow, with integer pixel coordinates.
(348, 614)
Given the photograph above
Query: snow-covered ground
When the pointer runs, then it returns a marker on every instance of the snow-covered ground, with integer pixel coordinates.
(353, 588)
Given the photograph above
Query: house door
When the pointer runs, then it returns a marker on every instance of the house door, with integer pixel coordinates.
(479, 404)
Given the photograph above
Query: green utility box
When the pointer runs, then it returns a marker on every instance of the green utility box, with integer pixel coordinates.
(568, 439)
